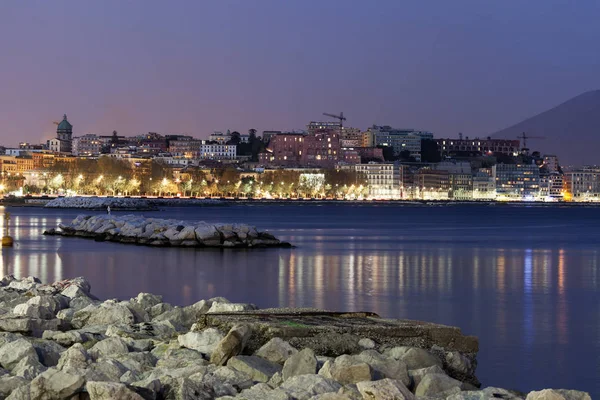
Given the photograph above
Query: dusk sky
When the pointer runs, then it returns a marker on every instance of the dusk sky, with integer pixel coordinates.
(197, 66)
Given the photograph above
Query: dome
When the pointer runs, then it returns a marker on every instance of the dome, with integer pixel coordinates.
(64, 124)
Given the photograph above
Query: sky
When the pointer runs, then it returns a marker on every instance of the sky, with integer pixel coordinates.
(193, 67)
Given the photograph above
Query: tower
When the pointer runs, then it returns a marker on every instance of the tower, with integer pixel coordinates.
(64, 133)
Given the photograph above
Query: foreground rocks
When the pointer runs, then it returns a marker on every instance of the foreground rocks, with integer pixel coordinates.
(135, 229)
(57, 341)
(126, 204)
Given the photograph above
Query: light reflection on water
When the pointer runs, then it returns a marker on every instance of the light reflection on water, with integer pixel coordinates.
(531, 294)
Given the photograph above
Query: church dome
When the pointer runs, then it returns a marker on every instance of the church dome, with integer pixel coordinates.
(65, 125)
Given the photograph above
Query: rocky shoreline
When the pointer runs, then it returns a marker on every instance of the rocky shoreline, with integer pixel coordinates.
(125, 203)
(57, 341)
(156, 232)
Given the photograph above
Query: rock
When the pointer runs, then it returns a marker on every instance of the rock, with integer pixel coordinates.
(416, 375)
(55, 384)
(159, 309)
(27, 325)
(186, 389)
(28, 368)
(276, 380)
(366, 343)
(24, 284)
(218, 307)
(303, 387)
(414, 357)
(558, 394)
(144, 330)
(108, 347)
(437, 385)
(12, 352)
(237, 379)
(68, 338)
(204, 342)
(301, 363)
(75, 357)
(106, 370)
(257, 368)
(345, 369)
(110, 313)
(147, 300)
(458, 364)
(350, 392)
(111, 390)
(385, 367)
(9, 384)
(276, 350)
(385, 389)
(139, 313)
(48, 351)
(34, 311)
(262, 391)
(330, 396)
(176, 358)
(231, 345)
(73, 291)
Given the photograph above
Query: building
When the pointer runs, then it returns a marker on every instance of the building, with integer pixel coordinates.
(551, 186)
(190, 148)
(323, 126)
(484, 185)
(583, 184)
(321, 149)
(400, 140)
(267, 135)
(220, 137)
(284, 149)
(383, 180)
(489, 146)
(350, 137)
(517, 181)
(551, 163)
(86, 145)
(62, 142)
(217, 151)
(432, 184)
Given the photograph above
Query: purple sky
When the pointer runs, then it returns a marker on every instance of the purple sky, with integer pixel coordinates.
(197, 66)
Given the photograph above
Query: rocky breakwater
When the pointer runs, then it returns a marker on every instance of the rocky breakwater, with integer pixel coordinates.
(101, 203)
(57, 341)
(135, 229)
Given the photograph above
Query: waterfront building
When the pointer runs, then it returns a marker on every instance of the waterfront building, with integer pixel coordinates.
(383, 180)
(551, 186)
(489, 146)
(484, 185)
(284, 149)
(517, 181)
(400, 139)
(321, 149)
(63, 140)
(86, 145)
(432, 184)
(551, 163)
(583, 184)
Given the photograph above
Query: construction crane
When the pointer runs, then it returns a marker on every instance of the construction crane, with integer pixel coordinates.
(340, 117)
(525, 137)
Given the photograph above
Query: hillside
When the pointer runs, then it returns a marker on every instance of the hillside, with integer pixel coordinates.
(571, 130)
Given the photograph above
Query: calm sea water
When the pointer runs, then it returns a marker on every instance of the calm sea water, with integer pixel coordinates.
(525, 280)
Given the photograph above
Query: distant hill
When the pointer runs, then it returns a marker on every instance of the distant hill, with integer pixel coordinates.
(571, 130)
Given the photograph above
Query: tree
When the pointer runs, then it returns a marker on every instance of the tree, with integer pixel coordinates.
(235, 138)
(430, 151)
(388, 153)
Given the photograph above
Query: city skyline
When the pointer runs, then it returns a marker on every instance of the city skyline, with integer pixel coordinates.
(197, 68)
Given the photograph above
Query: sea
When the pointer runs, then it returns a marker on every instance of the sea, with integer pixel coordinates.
(524, 279)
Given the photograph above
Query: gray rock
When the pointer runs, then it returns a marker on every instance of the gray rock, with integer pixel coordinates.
(147, 300)
(385, 389)
(366, 343)
(330, 396)
(9, 383)
(303, 387)
(69, 338)
(231, 345)
(111, 390)
(28, 368)
(12, 352)
(218, 307)
(414, 357)
(185, 389)
(75, 357)
(345, 369)
(560, 394)
(204, 342)
(139, 313)
(385, 367)
(237, 379)
(257, 368)
(437, 385)
(263, 391)
(276, 350)
(276, 380)
(106, 370)
(111, 313)
(159, 309)
(143, 330)
(350, 392)
(34, 311)
(73, 291)
(111, 346)
(416, 375)
(176, 358)
(21, 393)
(456, 362)
(55, 384)
(301, 363)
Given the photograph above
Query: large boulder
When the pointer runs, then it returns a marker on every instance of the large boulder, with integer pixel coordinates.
(28, 368)
(259, 369)
(437, 385)
(558, 394)
(416, 375)
(486, 394)
(414, 357)
(231, 345)
(346, 369)
(48, 351)
(385, 367)
(9, 383)
(218, 307)
(110, 391)
(204, 342)
(385, 389)
(303, 387)
(12, 352)
(301, 363)
(262, 391)
(55, 384)
(276, 350)
(75, 357)
(111, 346)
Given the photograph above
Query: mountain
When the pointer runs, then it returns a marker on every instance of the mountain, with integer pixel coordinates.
(571, 130)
